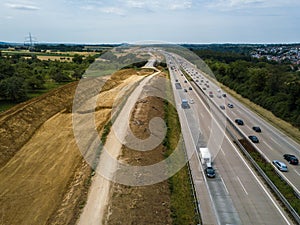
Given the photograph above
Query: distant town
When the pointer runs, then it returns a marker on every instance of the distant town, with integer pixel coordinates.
(279, 53)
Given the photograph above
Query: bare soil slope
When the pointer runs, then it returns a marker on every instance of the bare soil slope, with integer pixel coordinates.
(42, 174)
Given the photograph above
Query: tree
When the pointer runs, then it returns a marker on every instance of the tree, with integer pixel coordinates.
(60, 77)
(35, 82)
(12, 88)
(77, 59)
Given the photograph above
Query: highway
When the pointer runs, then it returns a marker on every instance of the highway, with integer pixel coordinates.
(237, 195)
(273, 143)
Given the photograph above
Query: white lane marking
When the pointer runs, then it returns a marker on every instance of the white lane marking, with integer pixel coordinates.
(268, 146)
(274, 141)
(224, 185)
(248, 127)
(242, 185)
(297, 172)
(223, 152)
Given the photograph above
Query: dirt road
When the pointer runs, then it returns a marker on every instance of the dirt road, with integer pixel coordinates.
(113, 203)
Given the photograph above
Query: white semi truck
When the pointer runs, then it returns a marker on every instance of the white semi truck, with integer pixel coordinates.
(205, 156)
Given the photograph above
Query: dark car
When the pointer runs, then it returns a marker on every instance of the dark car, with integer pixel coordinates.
(230, 105)
(256, 129)
(185, 81)
(239, 122)
(291, 159)
(190, 88)
(222, 107)
(224, 95)
(185, 90)
(210, 172)
(254, 139)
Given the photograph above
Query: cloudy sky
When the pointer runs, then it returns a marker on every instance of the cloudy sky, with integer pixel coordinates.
(175, 21)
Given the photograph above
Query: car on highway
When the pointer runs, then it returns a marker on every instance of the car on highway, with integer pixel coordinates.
(222, 107)
(291, 159)
(254, 139)
(185, 90)
(256, 129)
(190, 88)
(204, 88)
(192, 101)
(210, 172)
(224, 95)
(280, 165)
(230, 105)
(239, 122)
(185, 81)
(176, 80)
(211, 94)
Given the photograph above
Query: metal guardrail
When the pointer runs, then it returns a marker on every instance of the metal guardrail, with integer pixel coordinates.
(197, 204)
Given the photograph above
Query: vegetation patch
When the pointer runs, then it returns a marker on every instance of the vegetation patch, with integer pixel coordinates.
(23, 77)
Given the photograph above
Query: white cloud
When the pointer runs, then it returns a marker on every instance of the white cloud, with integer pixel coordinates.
(178, 5)
(157, 5)
(113, 10)
(135, 4)
(21, 6)
(242, 4)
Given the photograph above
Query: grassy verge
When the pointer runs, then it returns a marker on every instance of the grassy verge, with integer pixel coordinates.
(269, 170)
(282, 125)
(182, 202)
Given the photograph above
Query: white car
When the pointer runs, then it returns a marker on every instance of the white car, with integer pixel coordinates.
(192, 101)
(280, 165)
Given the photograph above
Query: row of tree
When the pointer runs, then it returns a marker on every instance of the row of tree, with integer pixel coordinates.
(273, 86)
(21, 74)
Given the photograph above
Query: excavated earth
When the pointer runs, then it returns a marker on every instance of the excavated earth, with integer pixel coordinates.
(43, 176)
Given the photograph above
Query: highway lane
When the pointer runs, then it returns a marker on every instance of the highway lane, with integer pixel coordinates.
(273, 144)
(239, 183)
(253, 201)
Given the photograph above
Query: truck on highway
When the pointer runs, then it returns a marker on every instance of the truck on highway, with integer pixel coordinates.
(185, 104)
(205, 156)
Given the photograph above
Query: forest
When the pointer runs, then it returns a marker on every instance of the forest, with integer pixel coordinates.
(25, 76)
(272, 85)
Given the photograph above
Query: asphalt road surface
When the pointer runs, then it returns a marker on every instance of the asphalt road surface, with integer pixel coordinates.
(237, 195)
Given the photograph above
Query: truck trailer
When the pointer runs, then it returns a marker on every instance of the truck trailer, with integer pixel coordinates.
(205, 156)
